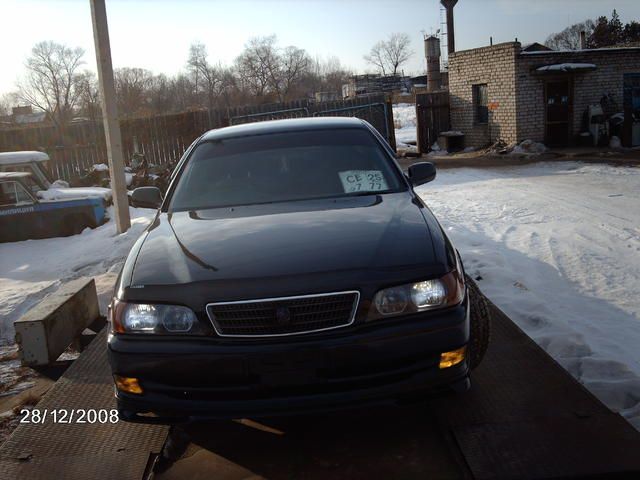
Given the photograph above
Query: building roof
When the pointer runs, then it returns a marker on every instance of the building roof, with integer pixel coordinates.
(34, 117)
(280, 126)
(587, 50)
(566, 68)
(535, 47)
(12, 158)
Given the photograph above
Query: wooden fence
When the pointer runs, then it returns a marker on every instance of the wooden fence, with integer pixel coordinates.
(432, 118)
(163, 138)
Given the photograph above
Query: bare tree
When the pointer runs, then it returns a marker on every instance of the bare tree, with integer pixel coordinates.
(89, 95)
(293, 66)
(265, 69)
(257, 65)
(181, 90)
(335, 74)
(51, 83)
(132, 89)
(377, 57)
(212, 80)
(161, 95)
(398, 51)
(569, 38)
(389, 55)
(7, 101)
(197, 57)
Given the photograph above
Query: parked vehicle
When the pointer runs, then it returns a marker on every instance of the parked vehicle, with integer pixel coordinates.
(41, 184)
(24, 216)
(291, 267)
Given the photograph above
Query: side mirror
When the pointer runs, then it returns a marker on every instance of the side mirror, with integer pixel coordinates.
(146, 197)
(420, 173)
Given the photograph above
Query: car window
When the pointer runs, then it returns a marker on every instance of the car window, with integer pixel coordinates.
(284, 167)
(40, 174)
(13, 193)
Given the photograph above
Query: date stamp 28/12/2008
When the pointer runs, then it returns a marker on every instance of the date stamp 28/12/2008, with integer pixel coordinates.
(69, 416)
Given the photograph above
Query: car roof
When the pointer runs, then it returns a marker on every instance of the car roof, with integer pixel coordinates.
(13, 175)
(12, 158)
(280, 126)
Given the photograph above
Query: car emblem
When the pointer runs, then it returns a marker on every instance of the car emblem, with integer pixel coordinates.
(283, 316)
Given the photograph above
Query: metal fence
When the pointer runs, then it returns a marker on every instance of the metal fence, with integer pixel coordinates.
(163, 138)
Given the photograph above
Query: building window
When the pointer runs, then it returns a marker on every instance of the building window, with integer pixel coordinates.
(480, 104)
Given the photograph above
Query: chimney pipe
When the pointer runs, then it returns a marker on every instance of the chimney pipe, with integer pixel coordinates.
(583, 40)
(432, 52)
(451, 38)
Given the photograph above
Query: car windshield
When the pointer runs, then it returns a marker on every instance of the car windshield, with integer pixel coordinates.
(284, 167)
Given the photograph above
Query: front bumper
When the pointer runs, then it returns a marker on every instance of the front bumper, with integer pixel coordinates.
(191, 378)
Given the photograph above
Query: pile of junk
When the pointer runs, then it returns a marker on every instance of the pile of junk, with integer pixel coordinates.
(603, 126)
(139, 173)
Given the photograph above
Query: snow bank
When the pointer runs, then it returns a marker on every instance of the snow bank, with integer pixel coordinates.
(60, 184)
(557, 247)
(31, 269)
(100, 167)
(529, 147)
(615, 142)
(74, 192)
(404, 119)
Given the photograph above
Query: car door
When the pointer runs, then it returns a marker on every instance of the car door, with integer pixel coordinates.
(19, 219)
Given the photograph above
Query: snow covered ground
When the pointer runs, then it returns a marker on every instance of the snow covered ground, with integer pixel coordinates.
(31, 269)
(557, 247)
(404, 119)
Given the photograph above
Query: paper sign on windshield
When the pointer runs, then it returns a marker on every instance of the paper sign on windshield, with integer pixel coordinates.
(363, 181)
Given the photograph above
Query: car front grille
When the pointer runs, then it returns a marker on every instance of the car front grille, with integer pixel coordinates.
(284, 315)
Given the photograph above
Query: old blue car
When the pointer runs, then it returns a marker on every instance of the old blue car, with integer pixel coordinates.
(23, 215)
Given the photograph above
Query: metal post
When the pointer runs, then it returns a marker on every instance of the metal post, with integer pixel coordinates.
(110, 115)
(451, 38)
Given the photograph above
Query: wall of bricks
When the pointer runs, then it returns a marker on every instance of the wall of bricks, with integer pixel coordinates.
(495, 66)
(518, 94)
(588, 87)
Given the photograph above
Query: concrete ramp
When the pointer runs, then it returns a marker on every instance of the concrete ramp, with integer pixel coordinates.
(54, 450)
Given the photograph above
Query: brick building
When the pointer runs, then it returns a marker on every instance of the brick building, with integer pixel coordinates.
(504, 92)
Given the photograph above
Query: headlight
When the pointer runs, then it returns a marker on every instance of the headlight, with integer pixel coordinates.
(152, 318)
(418, 297)
(391, 300)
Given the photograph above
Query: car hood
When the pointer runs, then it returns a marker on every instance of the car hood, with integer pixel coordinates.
(374, 232)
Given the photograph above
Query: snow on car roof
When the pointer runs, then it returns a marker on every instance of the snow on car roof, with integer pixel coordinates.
(8, 175)
(11, 158)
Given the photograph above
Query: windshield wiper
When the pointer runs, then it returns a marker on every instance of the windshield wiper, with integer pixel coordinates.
(364, 193)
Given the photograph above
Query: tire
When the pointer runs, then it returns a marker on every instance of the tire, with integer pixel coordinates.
(480, 324)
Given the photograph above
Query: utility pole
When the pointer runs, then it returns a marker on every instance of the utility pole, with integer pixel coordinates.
(110, 115)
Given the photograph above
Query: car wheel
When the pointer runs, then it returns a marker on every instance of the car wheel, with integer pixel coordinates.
(480, 324)
(74, 224)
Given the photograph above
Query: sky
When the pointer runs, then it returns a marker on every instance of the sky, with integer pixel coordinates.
(156, 34)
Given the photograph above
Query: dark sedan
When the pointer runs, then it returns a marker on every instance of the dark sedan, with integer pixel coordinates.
(291, 267)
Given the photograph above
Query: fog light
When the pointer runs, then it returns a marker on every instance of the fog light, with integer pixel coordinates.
(128, 384)
(454, 357)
